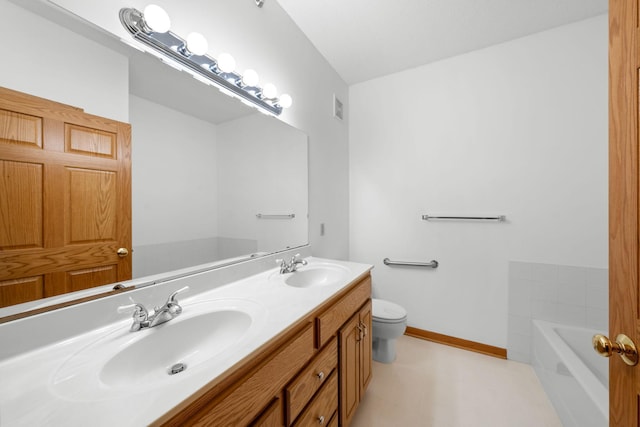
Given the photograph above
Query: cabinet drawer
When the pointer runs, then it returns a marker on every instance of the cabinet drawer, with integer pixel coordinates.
(252, 394)
(320, 411)
(300, 391)
(331, 320)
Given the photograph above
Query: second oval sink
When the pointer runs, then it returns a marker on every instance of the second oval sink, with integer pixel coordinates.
(317, 275)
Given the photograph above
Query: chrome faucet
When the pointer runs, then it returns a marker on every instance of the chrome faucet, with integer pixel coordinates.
(140, 316)
(292, 266)
(142, 319)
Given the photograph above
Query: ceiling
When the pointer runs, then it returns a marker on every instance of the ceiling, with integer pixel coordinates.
(364, 39)
(361, 39)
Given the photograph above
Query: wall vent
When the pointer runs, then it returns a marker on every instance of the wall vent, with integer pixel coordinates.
(338, 108)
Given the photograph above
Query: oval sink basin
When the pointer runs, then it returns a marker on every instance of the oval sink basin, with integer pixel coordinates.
(317, 275)
(189, 342)
(122, 362)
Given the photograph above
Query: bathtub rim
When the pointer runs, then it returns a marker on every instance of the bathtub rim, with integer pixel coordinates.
(587, 380)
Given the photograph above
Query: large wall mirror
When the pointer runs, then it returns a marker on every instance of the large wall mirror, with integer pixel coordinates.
(214, 187)
(213, 180)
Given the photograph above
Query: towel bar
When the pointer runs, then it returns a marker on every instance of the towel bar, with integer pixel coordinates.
(283, 216)
(432, 264)
(499, 218)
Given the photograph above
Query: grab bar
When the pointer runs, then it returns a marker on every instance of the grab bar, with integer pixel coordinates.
(499, 218)
(432, 264)
(283, 216)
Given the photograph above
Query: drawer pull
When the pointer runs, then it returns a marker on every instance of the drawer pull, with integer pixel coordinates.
(320, 376)
(321, 420)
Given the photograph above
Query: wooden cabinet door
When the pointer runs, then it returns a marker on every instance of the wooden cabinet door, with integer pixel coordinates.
(65, 199)
(365, 347)
(272, 416)
(349, 336)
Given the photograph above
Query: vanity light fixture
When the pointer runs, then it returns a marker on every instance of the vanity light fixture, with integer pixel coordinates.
(151, 28)
(250, 78)
(156, 19)
(226, 63)
(197, 44)
(269, 91)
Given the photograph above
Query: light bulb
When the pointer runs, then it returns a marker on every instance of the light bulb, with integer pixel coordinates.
(156, 18)
(250, 78)
(197, 44)
(269, 91)
(285, 100)
(226, 63)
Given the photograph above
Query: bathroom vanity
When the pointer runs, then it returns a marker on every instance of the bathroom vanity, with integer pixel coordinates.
(271, 350)
(296, 378)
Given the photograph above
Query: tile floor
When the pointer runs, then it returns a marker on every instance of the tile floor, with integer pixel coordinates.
(436, 385)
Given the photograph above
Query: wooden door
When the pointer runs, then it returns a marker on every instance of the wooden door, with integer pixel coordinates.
(349, 337)
(624, 317)
(366, 370)
(65, 199)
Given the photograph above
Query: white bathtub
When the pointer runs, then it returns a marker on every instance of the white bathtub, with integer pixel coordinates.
(574, 376)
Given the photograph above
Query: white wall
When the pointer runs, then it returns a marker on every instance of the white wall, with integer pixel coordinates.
(267, 40)
(49, 61)
(174, 175)
(262, 168)
(518, 129)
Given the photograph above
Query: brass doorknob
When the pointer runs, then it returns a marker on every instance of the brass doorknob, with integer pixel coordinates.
(122, 252)
(623, 346)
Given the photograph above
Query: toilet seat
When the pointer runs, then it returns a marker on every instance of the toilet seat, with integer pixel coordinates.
(387, 312)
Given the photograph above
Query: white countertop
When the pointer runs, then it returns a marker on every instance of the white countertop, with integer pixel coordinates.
(40, 387)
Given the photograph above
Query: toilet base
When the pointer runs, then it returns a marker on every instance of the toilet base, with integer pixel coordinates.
(384, 351)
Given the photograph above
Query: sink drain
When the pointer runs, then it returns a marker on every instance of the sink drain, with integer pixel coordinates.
(177, 368)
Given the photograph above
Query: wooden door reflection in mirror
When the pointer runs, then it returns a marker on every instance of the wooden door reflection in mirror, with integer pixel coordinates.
(65, 199)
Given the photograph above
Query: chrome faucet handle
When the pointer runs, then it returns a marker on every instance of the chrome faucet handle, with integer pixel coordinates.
(137, 308)
(168, 311)
(295, 261)
(172, 298)
(140, 315)
(284, 267)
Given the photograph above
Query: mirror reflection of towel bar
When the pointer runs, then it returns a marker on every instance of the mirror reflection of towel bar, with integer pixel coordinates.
(499, 218)
(432, 264)
(283, 216)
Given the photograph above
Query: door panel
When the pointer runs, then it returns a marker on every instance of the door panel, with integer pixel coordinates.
(21, 290)
(88, 277)
(20, 129)
(65, 207)
(90, 206)
(366, 368)
(91, 142)
(21, 210)
(349, 337)
(623, 205)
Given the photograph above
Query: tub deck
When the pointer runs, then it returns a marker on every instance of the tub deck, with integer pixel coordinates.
(574, 377)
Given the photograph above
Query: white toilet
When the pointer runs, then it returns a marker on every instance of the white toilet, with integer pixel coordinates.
(389, 322)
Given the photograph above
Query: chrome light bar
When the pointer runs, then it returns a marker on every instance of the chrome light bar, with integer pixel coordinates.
(174, 47)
